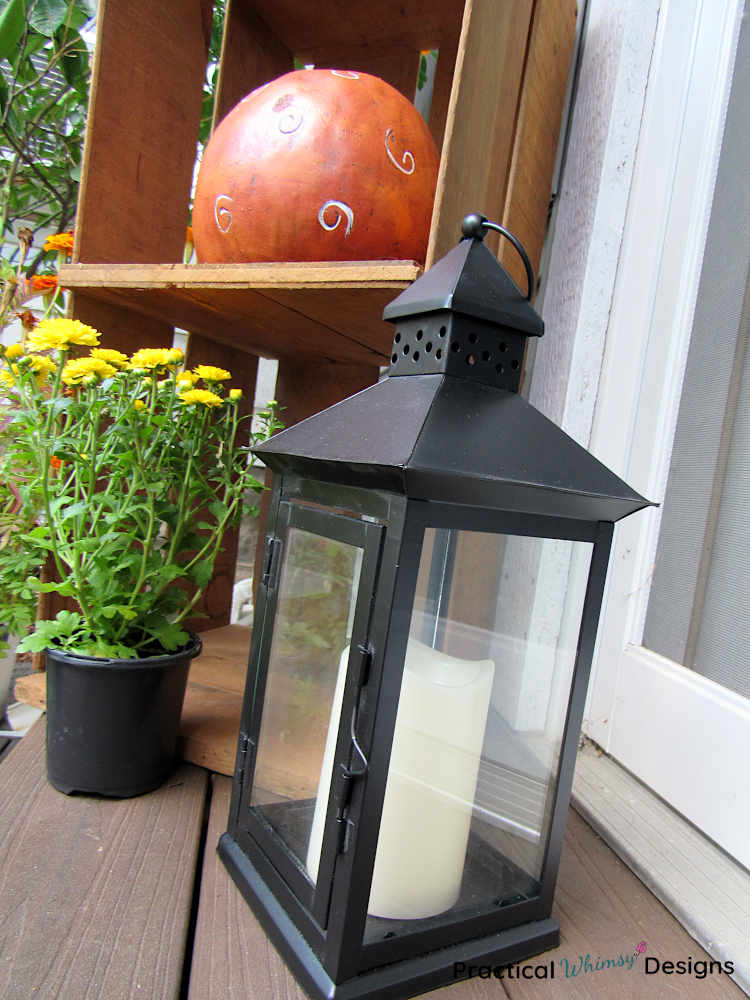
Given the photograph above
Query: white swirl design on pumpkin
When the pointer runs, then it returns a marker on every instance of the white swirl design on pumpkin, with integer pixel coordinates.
(407, 160)
(290, 122)
(342, 211)
(345, 74)
(222, 214)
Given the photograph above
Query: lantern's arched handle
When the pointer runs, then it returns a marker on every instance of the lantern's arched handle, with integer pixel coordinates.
(474, 226)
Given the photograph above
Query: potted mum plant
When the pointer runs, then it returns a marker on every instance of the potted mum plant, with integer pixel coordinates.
(139, 468)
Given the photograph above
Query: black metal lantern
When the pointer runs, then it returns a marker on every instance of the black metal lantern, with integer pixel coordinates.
(435, 561)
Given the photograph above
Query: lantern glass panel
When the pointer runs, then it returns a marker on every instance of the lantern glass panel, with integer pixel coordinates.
(481, 717)
(318, 586)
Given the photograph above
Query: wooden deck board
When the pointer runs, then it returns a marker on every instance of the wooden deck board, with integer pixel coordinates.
(232, 957)
(603, 910)
(96, 892)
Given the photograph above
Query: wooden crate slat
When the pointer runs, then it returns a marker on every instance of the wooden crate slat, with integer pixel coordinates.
(306, 29)
(96, 892)
(251, 54)
(538, 131)
(280, 274)
(142, 130)
(292, 310)
(481, 118)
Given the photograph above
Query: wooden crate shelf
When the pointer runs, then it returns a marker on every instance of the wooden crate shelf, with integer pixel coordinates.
(330, 311)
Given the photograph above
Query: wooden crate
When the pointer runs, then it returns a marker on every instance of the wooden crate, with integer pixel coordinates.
(496, 111)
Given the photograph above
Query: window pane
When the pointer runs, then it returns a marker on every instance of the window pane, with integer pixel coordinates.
(483, 702)
(312, 629)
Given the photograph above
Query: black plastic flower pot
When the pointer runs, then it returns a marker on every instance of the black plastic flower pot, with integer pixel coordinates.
(112, 725)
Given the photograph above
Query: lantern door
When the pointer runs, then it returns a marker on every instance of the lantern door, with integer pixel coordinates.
(495, 663)
(308, 658)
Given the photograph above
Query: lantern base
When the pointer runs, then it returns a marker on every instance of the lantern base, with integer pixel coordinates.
(406, 978)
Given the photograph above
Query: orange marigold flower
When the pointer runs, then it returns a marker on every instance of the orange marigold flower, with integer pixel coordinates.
(55, 462)
(44, 282)
(60, 242)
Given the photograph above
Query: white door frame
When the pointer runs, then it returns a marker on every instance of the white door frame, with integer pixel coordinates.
(678, 732)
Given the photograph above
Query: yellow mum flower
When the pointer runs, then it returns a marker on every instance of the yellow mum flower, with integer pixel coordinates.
(14, 351)
(202, 396)
(139, 405)
(87, 370)
(58, 334)
(235, 395)
(116, 358)
(211, 374)
(156, 357)
(7, 380)
(42, 366)
(187, 379)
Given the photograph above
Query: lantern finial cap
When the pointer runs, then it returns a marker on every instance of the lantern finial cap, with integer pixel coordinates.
(473, 226)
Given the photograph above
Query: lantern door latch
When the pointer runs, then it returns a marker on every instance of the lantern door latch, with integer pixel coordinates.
(349, 774)
(271, 562)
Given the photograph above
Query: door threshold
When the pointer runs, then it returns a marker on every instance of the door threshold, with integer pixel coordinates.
(702, 886)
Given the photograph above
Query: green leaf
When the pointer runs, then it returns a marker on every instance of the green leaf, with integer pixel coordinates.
(68, 513)
(117, 610)
(74, 64)
(202, 572)
(170, 635)
(12, 26)
(65, 589)
(218, 509)
(34, 643)
(47, 16)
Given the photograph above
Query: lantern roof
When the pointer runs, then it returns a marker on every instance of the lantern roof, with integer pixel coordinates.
(447, 439)
(447, 423)
(469, 280)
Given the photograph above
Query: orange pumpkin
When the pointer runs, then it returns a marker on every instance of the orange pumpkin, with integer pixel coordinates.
(317, 165)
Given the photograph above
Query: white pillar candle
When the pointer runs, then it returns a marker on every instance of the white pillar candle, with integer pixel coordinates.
(432, 776)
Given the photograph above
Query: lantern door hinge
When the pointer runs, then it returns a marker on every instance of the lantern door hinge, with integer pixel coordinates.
(271, 562)
(243, 748)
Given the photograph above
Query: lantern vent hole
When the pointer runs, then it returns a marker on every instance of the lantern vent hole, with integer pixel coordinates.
(470, 348)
